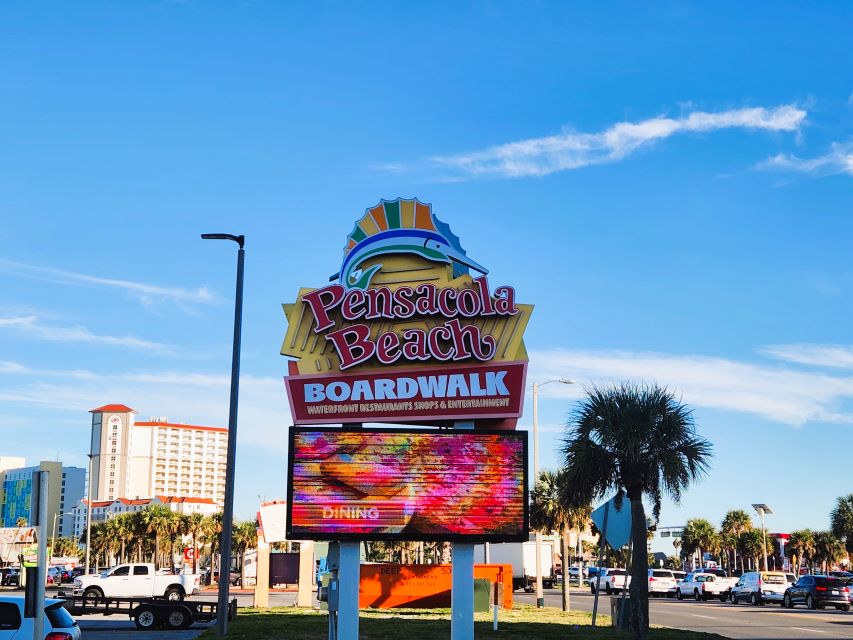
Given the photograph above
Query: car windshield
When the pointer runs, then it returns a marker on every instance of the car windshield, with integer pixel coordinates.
(59, 618)
(662, 574)
(705, 578)
(771, 578)
(616, 572)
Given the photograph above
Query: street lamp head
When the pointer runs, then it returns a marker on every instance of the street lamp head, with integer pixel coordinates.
(566, 381)
(224, 236)
(762, 508)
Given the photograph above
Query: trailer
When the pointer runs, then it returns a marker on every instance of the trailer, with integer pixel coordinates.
(149, 613)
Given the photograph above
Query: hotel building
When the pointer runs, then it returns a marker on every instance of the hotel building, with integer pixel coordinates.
(142, 459)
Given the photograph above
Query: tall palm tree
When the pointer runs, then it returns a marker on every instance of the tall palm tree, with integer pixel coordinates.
(245, 537)
(801, 544)
(157, 519)
(841, 519)
(638, 439)
(752, 545)
(551, 511)
(212, 536)
(699, 535)
(195, 528)
(735, 523)
(827, 549)
(177, 528)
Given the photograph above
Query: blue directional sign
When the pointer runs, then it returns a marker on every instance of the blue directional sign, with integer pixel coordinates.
(618, 522)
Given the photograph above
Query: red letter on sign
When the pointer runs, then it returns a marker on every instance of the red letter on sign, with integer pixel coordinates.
(333, 294)
(352, 344)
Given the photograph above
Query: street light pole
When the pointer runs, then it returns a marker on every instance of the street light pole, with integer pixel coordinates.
(228, 507)
(762, 508)
(540, 596)
(89, 516)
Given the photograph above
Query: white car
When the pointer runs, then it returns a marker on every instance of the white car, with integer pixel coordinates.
(702, 586)
(578, 575)
(610, 580)
(758, 587)
(58, 623)
(661, 582)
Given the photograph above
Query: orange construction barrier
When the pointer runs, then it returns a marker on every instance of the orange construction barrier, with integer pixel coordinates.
(384, 586)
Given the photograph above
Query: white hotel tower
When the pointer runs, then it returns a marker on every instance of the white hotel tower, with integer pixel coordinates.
(133, 459)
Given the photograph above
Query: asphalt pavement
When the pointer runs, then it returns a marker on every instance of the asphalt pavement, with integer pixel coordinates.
(725, 619)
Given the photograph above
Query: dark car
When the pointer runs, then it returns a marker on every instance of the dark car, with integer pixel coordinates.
(816, 592)
(9, 577)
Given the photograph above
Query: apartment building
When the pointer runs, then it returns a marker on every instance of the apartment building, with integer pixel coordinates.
(66, 488)
(143, 459)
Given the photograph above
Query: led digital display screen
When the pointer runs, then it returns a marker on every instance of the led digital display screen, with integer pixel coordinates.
(381, 484)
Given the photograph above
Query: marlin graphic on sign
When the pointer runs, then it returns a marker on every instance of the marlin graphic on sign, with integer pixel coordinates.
(400, 226)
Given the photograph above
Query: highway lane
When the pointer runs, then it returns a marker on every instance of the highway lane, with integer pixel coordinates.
(731, 621)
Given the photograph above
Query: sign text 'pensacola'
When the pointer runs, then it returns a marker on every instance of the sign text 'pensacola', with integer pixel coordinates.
(446, 393)
(453, 340)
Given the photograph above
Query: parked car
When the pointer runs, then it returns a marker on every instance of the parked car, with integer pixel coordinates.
(758, 587)
(10, 577)
(661, 582)
(610, 580)
(816, 592)
(701, 585)
(58, 623)
(578, 575)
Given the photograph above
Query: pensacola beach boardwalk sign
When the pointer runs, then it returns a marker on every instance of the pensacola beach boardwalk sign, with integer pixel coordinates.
(408, 331)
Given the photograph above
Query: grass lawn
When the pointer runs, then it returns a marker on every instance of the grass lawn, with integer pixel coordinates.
(290, 623)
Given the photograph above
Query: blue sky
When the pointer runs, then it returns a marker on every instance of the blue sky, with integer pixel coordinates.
(669, 183)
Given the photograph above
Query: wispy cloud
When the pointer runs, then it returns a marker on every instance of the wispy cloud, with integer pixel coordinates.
(193, 397)
(146, 293)
(30, 326)
(839, 159)
(778, 393)
(822, 355)
(573, 150)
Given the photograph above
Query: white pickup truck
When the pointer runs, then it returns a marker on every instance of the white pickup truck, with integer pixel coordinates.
(702, 585)
(610, 580)
(136, 581)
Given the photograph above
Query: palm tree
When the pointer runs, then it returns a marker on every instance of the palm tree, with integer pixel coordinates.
(195, 528)
(802, 545)
(212, 536)
(638, 439)
(735, 523)
(177, 528)
(827, 549)
(124, 529)
(157, 519)
(699, 535)
(841, 519)
(752, 544)
(550, 511)
(244, 537)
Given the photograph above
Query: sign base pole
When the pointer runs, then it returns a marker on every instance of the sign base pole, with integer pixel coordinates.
(462, 582)
(462, 592)
(349, 576)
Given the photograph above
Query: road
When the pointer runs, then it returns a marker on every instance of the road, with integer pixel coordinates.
(741, 621)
